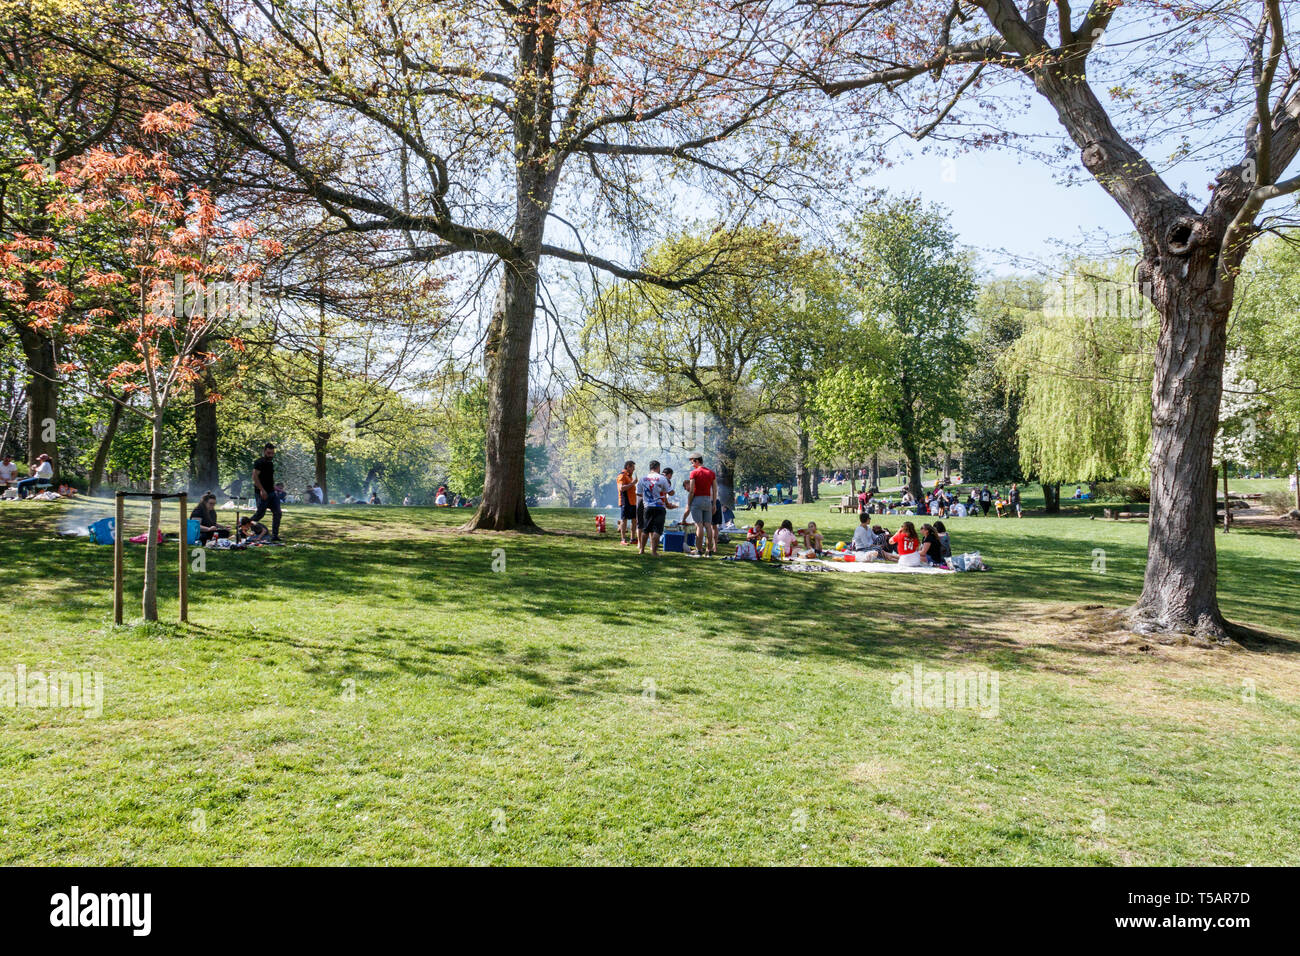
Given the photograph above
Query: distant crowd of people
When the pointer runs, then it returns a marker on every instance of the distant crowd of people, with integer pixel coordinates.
(940, 502)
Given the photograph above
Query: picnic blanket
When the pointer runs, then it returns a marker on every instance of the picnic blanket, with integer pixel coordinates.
(880, 567)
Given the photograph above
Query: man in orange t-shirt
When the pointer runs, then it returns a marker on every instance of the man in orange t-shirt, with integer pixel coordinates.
(626, 480)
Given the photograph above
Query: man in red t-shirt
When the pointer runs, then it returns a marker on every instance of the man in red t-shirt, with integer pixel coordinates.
(626, 480)
(701, 493)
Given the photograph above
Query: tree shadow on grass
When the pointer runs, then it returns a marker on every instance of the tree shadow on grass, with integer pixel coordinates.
(868, 619)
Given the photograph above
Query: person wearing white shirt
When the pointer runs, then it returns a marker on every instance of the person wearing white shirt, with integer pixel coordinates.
(8, 472)
(653, 489)
(42, 470)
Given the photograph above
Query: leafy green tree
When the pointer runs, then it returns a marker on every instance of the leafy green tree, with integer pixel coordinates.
(853, 414)
(918, 290)
(742, 344)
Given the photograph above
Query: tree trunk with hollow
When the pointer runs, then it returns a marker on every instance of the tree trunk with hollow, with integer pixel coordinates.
(1179, 588)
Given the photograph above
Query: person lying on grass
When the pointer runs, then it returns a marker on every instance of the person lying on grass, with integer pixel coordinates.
(251, 532)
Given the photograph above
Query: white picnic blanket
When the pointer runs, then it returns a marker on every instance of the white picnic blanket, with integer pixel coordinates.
(885, 567)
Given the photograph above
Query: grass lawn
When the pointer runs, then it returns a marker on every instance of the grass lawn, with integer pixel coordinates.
(377, 692)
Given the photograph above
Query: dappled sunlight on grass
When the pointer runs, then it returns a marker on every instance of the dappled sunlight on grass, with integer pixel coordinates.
(375, 691)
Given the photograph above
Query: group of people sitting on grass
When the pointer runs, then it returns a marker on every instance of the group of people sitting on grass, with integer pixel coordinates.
(248, 532)
(908, 547)
(40, 472)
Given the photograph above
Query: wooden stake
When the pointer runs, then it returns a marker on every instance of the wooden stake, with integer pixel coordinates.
(117, 557)
(184, 572)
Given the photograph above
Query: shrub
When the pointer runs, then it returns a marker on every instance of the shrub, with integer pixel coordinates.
(1135, 492)
(1281, 502)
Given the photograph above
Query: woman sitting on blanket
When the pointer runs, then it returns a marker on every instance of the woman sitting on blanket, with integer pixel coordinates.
(908, 544)
(205, 512)
(784, 539)
(931, 550)
(942, 532)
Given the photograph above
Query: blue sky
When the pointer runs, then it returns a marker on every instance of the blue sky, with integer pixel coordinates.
(1001, 200)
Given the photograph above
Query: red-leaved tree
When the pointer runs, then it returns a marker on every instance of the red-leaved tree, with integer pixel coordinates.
(175, 285)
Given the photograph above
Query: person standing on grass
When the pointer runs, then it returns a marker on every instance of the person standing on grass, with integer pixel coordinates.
(986, 500)
(652, 491)
(702, 491)
(626, 481)
(264, 488)
(1014, 496)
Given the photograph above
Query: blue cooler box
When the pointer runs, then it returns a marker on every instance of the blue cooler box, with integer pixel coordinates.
(676, 541)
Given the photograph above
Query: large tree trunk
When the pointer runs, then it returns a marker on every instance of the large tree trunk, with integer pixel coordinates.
(149, 597)
(1052, 497)
(204, 470)
(507, 352)
(319, 443)
(913, 456)
(801, 461)
(105, 444)
(42, 394)
(1179, 590)
(873, 476)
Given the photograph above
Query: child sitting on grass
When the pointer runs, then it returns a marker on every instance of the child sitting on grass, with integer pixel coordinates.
(252, 532)
(812, 538)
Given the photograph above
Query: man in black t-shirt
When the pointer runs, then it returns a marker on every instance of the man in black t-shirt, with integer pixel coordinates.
(264, 489)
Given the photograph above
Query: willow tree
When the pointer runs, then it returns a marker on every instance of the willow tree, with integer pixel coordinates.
(1201, 82)
(476, 128)
(1081, 371)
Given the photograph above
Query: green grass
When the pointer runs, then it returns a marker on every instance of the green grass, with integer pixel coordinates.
(587, 706)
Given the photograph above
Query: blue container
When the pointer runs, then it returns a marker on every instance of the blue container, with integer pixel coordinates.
(101, 532)
(676, 541)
